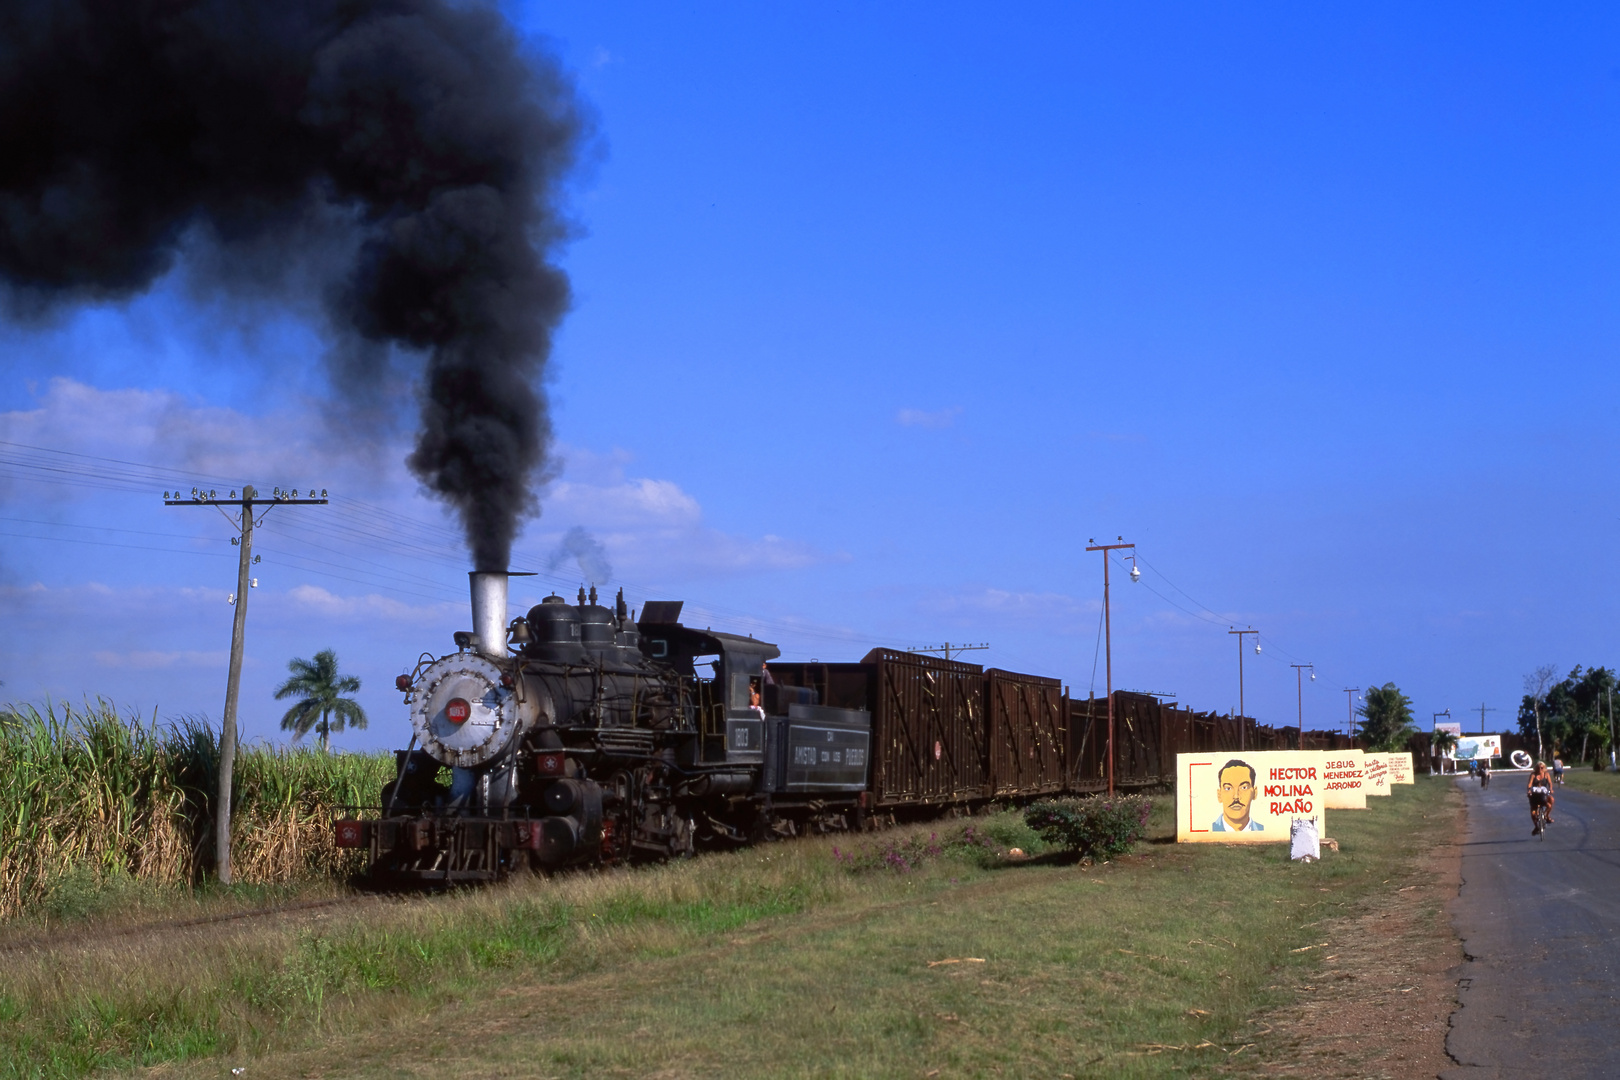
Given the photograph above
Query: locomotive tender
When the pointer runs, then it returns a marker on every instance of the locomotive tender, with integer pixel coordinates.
(578, 734)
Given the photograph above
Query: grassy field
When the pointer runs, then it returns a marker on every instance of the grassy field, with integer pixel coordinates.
(1598, 783)
(775, 961)
(103, 814)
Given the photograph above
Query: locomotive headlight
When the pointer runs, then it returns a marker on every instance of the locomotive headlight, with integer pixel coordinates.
(462, 714)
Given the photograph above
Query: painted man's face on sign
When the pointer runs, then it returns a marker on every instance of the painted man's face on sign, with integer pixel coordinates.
(1237, 792)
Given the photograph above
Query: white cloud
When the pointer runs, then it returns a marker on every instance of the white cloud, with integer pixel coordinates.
(319, 601)
(109, 601)
(651, 528)
(638, 502)
(149, 660)
(381, 530)
(163, 429)
(940, 418)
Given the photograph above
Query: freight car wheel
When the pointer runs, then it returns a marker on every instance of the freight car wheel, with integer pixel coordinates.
(760, 829)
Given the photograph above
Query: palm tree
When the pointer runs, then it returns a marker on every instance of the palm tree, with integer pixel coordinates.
(1386, 718)
(1439, 743)
(319, 687)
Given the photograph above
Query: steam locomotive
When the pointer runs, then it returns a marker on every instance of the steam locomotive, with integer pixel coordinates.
(579, 734)
(584, 734)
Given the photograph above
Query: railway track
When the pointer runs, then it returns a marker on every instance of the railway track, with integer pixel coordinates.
(80, 935)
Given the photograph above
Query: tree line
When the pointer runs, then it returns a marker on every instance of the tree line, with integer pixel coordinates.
(1570, 718)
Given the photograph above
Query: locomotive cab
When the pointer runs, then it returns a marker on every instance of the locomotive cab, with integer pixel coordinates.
(731, 727)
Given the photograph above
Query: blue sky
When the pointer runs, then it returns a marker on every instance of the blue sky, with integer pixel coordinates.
(882, 312)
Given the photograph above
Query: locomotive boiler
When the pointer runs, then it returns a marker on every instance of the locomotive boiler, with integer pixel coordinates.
(579, 733)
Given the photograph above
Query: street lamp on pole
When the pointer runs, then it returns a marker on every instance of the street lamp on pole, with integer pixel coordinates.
(1242, 722)
(1299, 672)
(1108, 638)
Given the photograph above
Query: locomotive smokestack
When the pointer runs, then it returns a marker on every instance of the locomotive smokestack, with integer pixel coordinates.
(402, 160)
(489, 589)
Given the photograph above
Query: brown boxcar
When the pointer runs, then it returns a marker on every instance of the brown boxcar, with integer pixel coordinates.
(930, 738)
(1027, 733)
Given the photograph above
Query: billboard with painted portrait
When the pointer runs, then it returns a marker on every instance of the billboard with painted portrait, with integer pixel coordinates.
(1247, 798)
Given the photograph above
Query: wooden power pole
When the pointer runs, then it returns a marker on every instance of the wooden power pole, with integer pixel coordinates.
(233, 681)
(1243, 723)
(1108, 640)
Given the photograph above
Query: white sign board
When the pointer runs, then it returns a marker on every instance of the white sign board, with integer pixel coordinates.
(1343, 772)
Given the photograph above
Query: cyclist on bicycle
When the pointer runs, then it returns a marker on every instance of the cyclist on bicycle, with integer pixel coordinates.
(1540, 791)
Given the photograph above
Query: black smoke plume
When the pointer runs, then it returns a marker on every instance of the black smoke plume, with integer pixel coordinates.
(418, 138)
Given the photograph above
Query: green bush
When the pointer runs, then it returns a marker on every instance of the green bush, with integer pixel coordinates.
(1094, 826)
(984, 843)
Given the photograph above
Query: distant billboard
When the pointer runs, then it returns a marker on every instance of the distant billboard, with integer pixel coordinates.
(1375, 774)
(1476, 748)
(1342, 775)
(1400, 769)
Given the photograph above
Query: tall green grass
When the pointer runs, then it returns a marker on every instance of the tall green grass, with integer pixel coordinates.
(88, 796)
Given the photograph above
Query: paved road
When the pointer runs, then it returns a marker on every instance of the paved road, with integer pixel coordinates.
(1540, 923)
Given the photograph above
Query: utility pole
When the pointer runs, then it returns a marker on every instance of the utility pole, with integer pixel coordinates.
(1299, 673)
(1108, 638)
(233, 681)
(948, 649)
(1482, 711)
(1243, 722)
(1350, 713)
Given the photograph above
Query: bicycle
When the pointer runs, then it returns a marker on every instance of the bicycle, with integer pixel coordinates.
(1540, 815)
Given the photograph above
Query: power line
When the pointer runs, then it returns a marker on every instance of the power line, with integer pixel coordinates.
(1217, 618)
